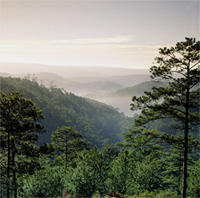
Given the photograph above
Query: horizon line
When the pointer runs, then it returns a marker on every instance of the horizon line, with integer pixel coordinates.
(64, 65)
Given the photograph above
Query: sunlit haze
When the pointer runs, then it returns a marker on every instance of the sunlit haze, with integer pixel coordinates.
(93, 33)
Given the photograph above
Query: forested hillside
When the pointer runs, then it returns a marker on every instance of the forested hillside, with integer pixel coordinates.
(100, 124)
(76, 157)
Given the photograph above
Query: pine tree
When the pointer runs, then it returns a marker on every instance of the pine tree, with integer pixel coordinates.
(89, 175)
(66, 141)
(178, 67)
(19, 128)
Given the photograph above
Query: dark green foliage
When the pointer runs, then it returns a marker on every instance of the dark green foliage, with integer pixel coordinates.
(89, 175)
(143, 141)
(43, 183)
(122, 173)
(174, 169)
(98, 123)
(160, 193)
(67, 142)
(149, 173)
(149, 162)
(19, 132)
(109, 152)
(132, 173)
(178, 66)
(145, 161)
(194, 180)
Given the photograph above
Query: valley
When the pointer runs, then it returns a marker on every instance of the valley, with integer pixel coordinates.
(112, 86)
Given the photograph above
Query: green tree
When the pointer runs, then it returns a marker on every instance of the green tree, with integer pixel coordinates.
(143, 141)
(133, 172)
(194, 180)
(89, 175)
(46, 182)
(19, 133)
(174, 159)
(66, 141)
(149, 172)
(109, 152)
(177, 66)
(122, 172)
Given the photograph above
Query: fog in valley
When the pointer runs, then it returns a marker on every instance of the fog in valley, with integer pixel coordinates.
(110, 85)
(99, 98)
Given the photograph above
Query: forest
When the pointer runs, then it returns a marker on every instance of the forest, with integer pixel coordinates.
(57, 144)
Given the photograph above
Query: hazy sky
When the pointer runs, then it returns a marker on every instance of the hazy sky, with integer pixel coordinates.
(93, 33)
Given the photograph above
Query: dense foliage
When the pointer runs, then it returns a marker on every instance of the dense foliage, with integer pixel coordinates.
(179, 67)
(19, 132)
(100, 124)
(147, 164)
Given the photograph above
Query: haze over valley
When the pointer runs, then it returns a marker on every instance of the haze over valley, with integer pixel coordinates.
(72, 45)
(103, 84)
(99, 98)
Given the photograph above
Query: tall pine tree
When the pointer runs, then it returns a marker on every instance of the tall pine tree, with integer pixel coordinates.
(178, 67)
(19, 128)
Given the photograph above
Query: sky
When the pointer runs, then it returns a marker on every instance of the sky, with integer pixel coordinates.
(93, 33)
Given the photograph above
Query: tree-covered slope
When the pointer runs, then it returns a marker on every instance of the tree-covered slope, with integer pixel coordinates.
(99, 123)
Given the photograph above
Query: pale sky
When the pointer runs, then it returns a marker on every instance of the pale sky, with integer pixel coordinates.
(93, 33)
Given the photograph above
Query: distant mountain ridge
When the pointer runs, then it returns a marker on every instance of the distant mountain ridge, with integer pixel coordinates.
(125, 80)
(105, 84)
(69, 71)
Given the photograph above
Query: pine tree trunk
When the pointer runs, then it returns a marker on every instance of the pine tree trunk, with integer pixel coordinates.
(8, 168)
(185, 160)
(185, 165)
